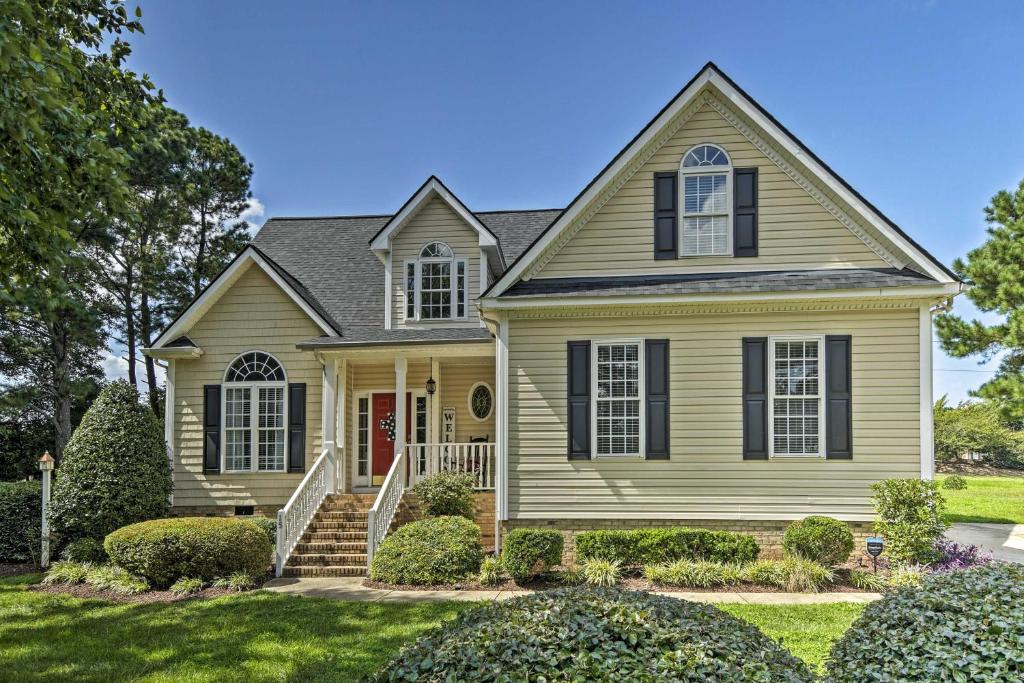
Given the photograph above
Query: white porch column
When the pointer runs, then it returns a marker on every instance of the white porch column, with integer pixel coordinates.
(927, 416)
(328, 415)
(435, 403)
(501, 428)
(341, 443)
(169, 421)
(401, 366)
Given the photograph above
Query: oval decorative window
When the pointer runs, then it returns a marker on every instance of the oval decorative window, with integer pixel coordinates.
(481, 401)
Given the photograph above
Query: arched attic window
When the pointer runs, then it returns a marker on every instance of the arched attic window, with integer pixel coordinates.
(706, 189)
(435, 284)
(255, 395)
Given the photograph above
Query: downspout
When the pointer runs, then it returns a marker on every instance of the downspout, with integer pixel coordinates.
(499, 327)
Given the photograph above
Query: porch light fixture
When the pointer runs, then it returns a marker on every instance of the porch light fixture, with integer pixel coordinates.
(431, 382)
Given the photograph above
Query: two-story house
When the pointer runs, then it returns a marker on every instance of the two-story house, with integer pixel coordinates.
(718, 331)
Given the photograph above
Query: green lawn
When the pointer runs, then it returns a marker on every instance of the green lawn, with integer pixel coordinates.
(986, 499)
(266, 636)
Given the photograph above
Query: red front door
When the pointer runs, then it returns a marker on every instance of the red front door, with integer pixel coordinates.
(383, 442)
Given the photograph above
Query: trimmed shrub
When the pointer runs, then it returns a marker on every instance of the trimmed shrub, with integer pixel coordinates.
(958, 626)
(954, 482)
(20, 520)
(530, 552)
(269, 527)
(446, 494)
(910, 518)
(84, 550)
(638, 547)
(165, 550)
(429, 552)
(586, 634)
(114, 471)
(824, 540)
(598, 572)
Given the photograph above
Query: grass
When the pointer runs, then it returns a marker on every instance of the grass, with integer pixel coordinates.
(986, 499)
(807, 631)
(265, 636)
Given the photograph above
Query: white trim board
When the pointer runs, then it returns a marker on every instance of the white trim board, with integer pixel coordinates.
(710, 78)
(213, 292)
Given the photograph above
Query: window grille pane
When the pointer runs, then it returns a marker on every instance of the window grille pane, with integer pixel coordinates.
(436, 291)
(795, 410)
(410, 291)
(460, 289)
(363, 450)
(618, 404)
(237, 433)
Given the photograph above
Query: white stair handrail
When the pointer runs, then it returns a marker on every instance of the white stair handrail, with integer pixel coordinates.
(378, 520)
(300, 509)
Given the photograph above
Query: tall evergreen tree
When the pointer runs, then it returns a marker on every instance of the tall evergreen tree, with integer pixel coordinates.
(995, 273)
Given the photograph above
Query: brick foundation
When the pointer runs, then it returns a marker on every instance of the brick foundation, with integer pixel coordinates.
(221, 510)
(483, 504)
(767, 533)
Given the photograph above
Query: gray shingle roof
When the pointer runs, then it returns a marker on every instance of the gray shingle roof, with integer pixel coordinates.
(717, 283)
(329, 262)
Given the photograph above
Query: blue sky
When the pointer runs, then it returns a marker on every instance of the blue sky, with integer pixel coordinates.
(347, 107)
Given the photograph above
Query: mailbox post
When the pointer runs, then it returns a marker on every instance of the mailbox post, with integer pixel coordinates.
(46, 466)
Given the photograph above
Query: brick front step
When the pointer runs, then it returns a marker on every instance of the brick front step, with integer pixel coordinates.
(341, 516)
(318, 525)
(333, 559)
(303, 548)
(308, 571)
(314, 536)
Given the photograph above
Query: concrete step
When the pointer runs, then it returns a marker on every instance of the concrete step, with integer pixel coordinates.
(309, 571)
(312, 536)
(328, 560)
(304, 548)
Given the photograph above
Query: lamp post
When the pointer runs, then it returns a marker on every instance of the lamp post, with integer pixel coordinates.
(46, 465)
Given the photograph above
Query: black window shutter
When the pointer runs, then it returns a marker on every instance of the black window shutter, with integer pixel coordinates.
(838, 398)
(657, 381)
(296, 427)
(211, 429)
(578, 405)
(666, 198)
(755, 398)
(744, 216)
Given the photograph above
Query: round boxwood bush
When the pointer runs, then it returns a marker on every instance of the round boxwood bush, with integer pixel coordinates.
(20, 520)
(526, 553)
(954, 482)
(585, 634)
(114, 471)
(84, 550)
(446, 493)
(165, 550)
(429, 552)
(268, 525)
(824, 540)
(957, 626)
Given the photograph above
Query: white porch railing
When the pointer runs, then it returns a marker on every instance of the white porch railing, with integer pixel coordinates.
(473, 458)
(383, 511)
(296, 515)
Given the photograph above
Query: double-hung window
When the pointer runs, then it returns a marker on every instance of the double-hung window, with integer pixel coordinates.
(797, 396)
(254, 414)
(436, 284)
(706, 174)
(618, 391)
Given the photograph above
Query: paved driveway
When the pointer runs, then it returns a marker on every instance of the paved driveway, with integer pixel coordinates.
(1005, 541)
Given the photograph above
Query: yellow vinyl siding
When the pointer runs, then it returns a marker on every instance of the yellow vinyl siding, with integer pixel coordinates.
(456, 381)
(436, 221)
(253, 314)
(706, 476)
(794, 230)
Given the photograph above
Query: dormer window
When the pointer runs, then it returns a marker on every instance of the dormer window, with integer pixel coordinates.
(706, 187)
(435, 284)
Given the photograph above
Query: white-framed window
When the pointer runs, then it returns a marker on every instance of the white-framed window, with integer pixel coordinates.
(436, 284)
(481, 401)
(796, 397)
(255, 400)
(617, 388)
(705, 188)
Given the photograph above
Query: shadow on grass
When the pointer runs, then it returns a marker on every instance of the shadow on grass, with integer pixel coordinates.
(252, 637)
(957, 518)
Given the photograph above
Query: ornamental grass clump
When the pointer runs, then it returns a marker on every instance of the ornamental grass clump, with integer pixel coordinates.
(492, 573)
(67, 572)
(690, 574)
(187, 586)
(957, 626)
(595, 634)
(598, 572)
(115, 579)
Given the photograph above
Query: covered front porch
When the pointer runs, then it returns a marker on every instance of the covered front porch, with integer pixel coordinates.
(393, 415)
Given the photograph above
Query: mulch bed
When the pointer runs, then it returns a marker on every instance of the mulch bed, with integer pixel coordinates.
(16, 569)
(975, 469)
(82, 590)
